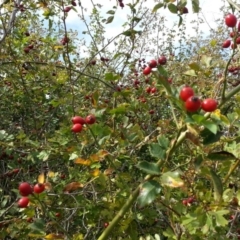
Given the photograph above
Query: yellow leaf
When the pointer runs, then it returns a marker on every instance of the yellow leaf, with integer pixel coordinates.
(58, 47)
(99, 156)
(54, 236)
(51, 174)
(173, 183)
(96, 172)
(83, 161)
(41, 178)
(35, 235)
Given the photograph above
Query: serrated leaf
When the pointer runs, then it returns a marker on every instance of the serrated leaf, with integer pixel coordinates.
(150, 168)
(172, 8)
(221, 156)
(156, 151)
(109, 19)
(148, 192)
(163, 142)
(157, 6)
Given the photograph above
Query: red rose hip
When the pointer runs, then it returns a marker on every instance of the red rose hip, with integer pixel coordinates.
(231, 20)
(23, 202)
(25, 189)
(38, 188)
(193, 104)
(90, 119)
(77, 128)
(185, 93)
(209, 105)
(78, 119)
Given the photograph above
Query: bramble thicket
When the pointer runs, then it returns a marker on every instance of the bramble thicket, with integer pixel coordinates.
(127, 132)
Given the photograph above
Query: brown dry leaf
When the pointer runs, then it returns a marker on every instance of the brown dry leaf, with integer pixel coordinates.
(41, 178)
(48, 186)
(193, 135)
(108, 171)
(83, 161)
(72, 186)
(54, 236)
(96, 172)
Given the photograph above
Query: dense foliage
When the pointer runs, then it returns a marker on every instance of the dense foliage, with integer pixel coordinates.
(118, 133)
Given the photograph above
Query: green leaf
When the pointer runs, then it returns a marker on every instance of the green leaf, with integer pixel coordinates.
(148, 192)
(150, 168)
(221, 156)
(195, 6)
(156, 151)
(110, 19)
(44, 155)
(38, 225)
(136, 19)
(109, 76)
(209, 137)
(157, 6)
(195, 66)
(162, 71)
(210, 126)
(163, 142)
(180, 21)
(213, 42)
(198, 118)
(131, 32)
(120, 109)
(111, 12)
(172, 8)
(217, 185)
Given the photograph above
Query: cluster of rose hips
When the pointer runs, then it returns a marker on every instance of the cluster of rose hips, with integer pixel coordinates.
(121, 4)
(162, 60)
(78, 122)
(231, 21)
(64, 40)
(25, 189)
(193, 103)
(188, 201)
